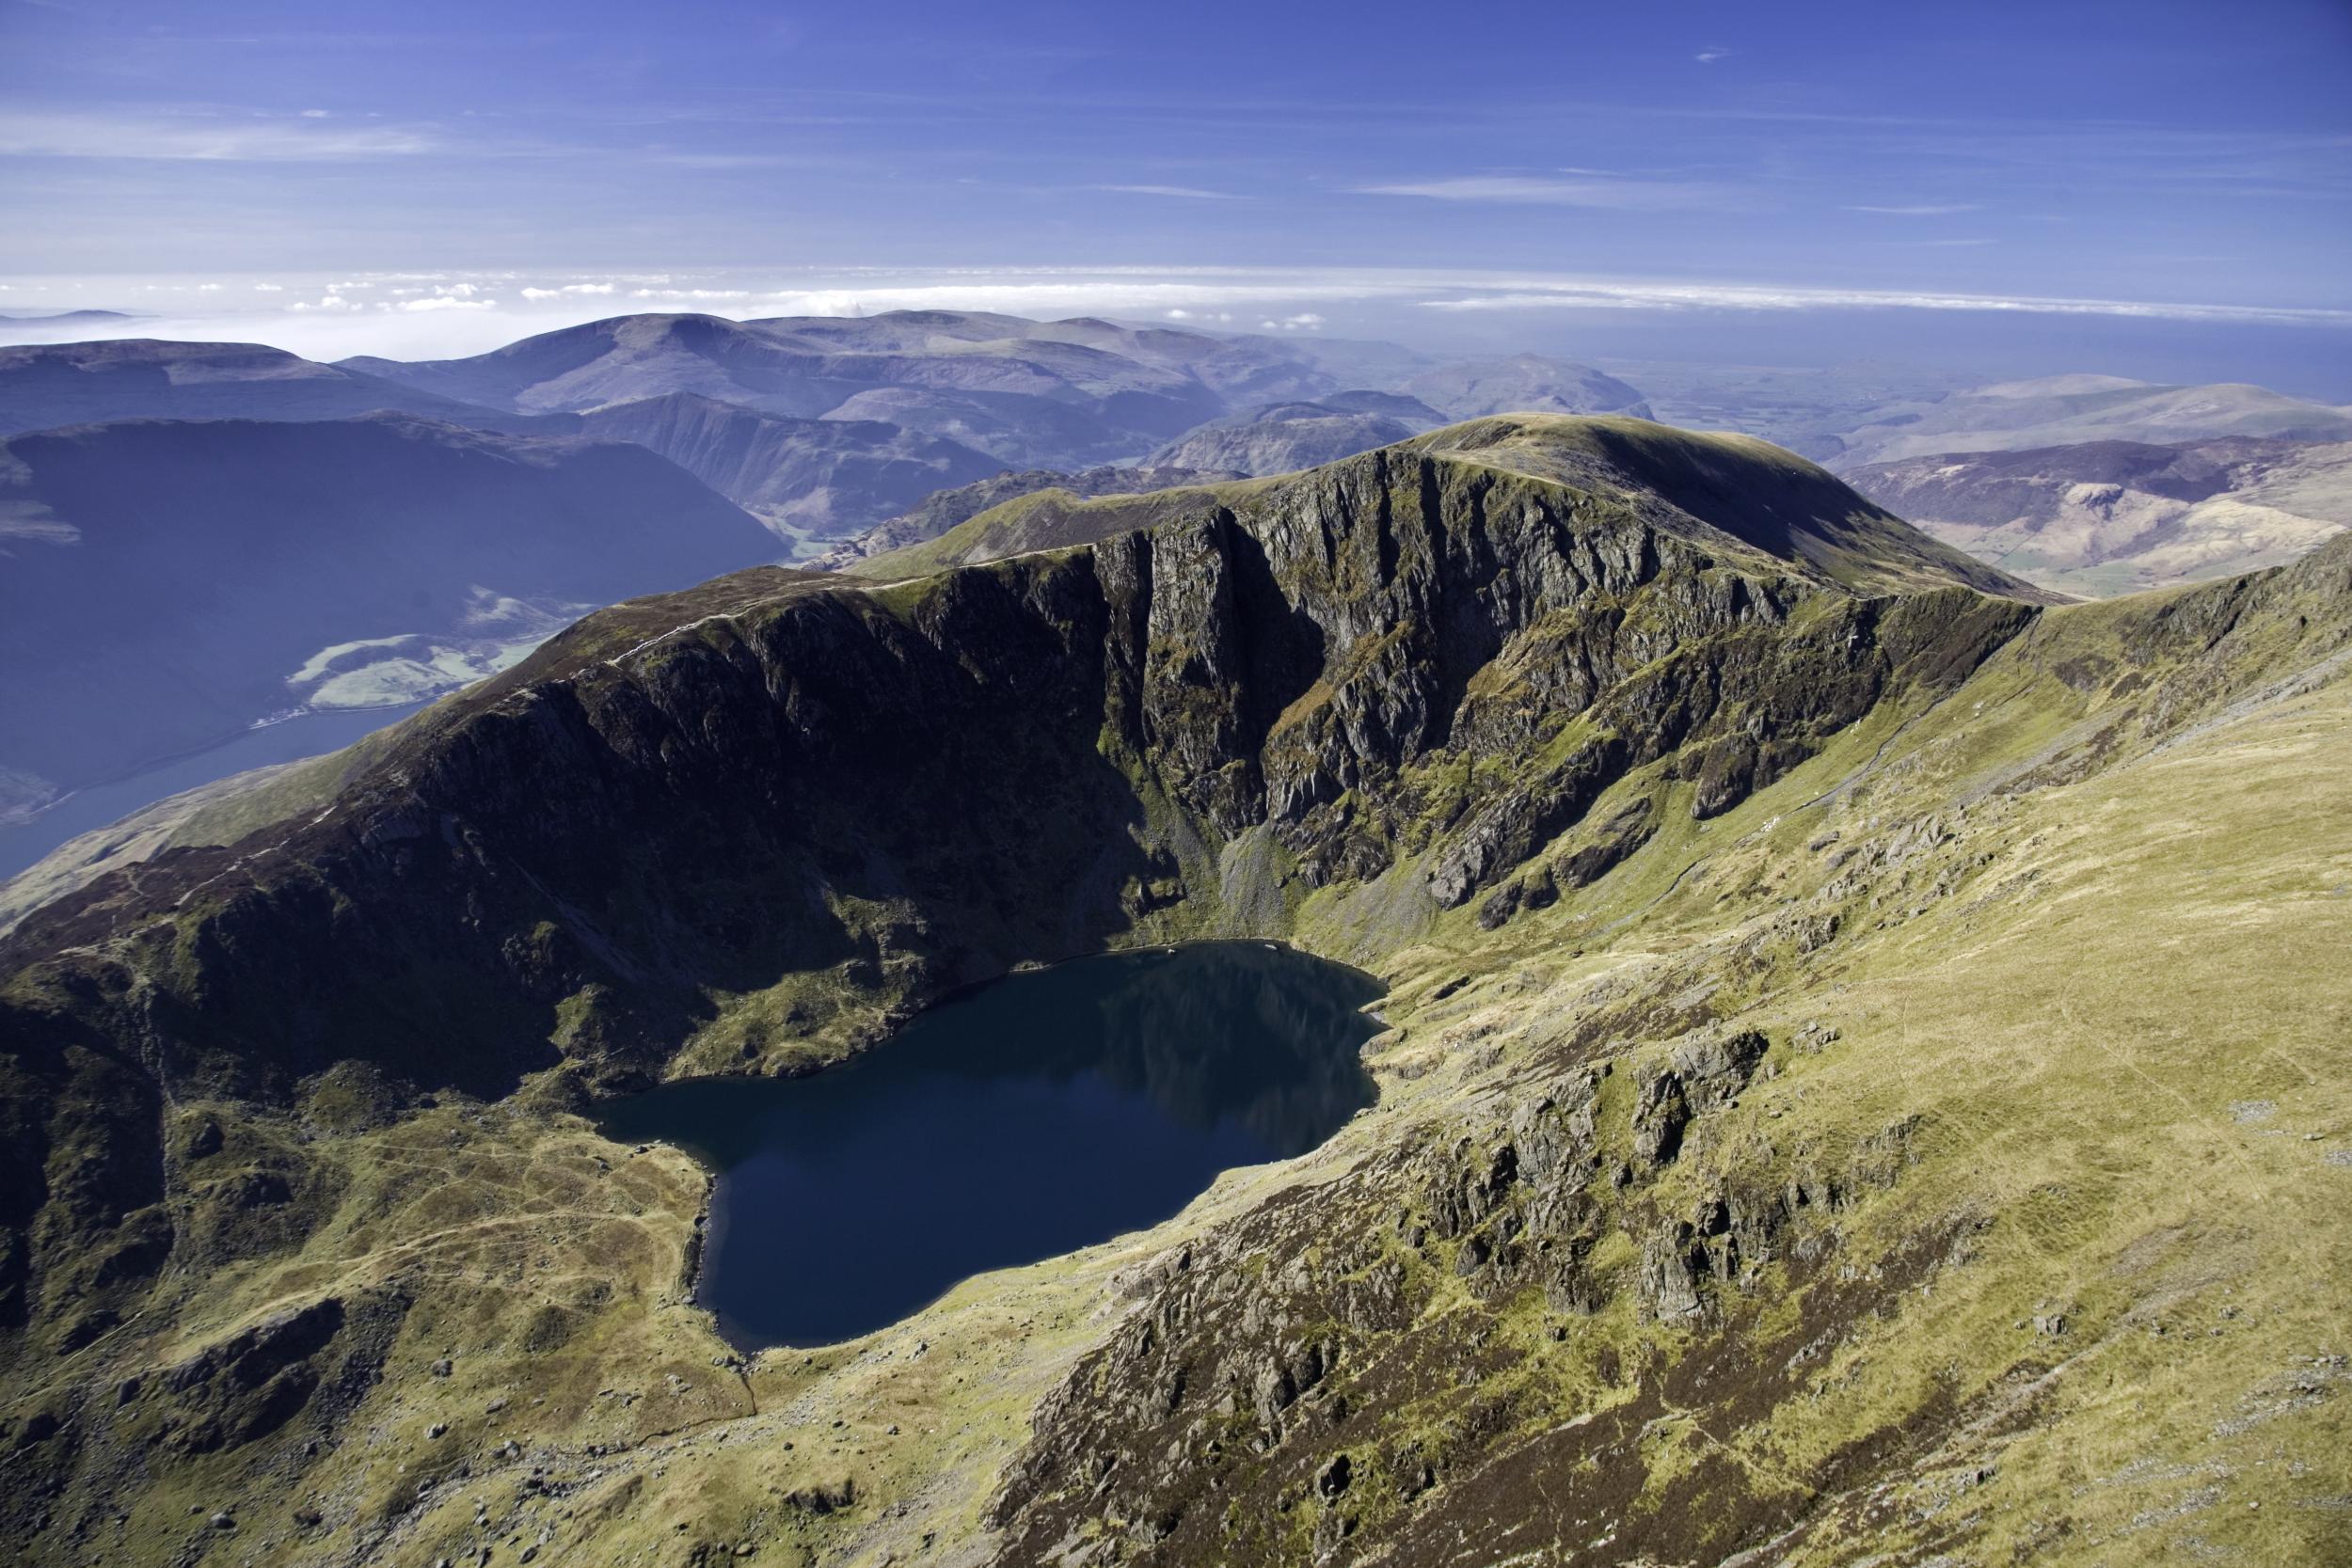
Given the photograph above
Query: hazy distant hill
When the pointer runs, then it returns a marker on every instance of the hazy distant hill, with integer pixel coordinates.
(43, 386)
(1285, 437)
(2106, 518)
(166, 585)
(64, 318)
(820, 476)
(1523, 384)
(1025, 392)
(2066, 410)
(947, 508)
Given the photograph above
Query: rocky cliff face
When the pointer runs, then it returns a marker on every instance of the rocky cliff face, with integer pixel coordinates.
(1463, 709)
(1402, 659)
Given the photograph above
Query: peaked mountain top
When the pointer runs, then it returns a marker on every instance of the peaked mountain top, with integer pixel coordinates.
(1734, 490)
(46, 386)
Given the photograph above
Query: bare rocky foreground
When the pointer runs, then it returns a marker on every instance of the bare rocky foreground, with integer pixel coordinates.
(1865, 1079)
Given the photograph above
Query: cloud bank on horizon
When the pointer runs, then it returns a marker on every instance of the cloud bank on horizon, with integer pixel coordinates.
(435, 180)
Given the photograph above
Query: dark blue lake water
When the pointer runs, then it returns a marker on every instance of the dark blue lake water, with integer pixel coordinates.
(1034, 1116)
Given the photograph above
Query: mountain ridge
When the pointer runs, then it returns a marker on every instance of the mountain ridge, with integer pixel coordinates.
(1792, 509)
(49, 386)
(1701, 880)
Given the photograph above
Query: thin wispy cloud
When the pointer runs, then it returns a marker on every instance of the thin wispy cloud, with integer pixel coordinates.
(205, 138)
(1190, 193)
(561, 289)
(1624, 295)
(1584, 191)
(1709, 55)
(440, 313)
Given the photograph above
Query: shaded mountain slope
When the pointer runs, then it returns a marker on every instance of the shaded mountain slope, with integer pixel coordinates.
(167, 584)
(2116, 517)
(1805, 982)
(45, 385)
(810, 476)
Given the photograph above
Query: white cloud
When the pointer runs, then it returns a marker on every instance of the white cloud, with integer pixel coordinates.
(1709, 55)
(322, 324)
(208, 288)
(314, 114)
(202, 137)
(570, 289)
(1190, 193)
(1534, 190)
(269, 288)
(1622, 295)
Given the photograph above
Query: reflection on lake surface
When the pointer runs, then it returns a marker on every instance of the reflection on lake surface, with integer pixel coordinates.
(1031, 1116)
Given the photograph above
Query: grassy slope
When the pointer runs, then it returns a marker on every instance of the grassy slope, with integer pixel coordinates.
(2117, 1003)
(2118, 1007)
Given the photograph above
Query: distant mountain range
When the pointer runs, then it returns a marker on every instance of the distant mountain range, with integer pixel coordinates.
(62, 318)
(826, 426)
(2015, 416)
(167, 584)
(948, 509)
(316, 501)
(806, 477)
(45, 386)
(1282, 437)
(2106, 518)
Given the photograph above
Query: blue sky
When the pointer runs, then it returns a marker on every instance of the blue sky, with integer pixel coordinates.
(1538, 169)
